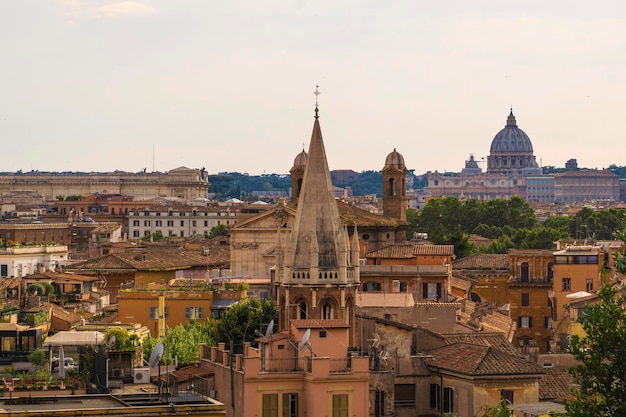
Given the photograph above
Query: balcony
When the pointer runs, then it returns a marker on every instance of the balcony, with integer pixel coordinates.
(286, 365)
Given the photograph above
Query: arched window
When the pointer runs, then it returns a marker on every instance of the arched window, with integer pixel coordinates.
(525, 276)
(302, 311)
(550, 272)
(299, 187)
(392, 186)
(327, 311)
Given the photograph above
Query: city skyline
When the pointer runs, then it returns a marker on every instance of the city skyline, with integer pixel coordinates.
(95, 85)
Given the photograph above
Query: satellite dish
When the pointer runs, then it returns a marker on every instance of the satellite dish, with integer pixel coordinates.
(305, 340)
(270, 330)
(112, 340)
(157, 354)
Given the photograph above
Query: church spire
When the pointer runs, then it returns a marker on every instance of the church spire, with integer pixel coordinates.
(319, 243)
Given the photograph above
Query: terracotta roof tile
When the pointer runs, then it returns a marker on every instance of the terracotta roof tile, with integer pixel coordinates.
(319, 324)
(482, 261)
(407, 250)
(161, 257)
(494, 340)
(474, 360)
(555, 384)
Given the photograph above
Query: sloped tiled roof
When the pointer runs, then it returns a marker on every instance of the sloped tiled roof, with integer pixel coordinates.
(555, 384)
(407, 250)
(157, 257)
(319, 324)
(495, 340)
(482, 261)
(476, 360)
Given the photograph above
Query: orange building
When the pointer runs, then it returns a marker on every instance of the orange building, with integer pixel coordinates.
(159, 307)
(577, 272)
(291, 376)
(419, 269)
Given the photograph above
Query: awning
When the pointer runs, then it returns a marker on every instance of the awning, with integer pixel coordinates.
(75, 338)
(222, 304)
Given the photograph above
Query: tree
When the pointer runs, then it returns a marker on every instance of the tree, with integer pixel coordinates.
(241, 320)
(38, 358)
(219, 230)
(182, 342)
(601, 375)
(123, 340)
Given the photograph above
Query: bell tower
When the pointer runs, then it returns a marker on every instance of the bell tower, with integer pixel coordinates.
(394, 187)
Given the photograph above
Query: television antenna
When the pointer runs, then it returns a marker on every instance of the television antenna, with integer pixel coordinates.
(305, 342)
(375, 341)
(383, 357)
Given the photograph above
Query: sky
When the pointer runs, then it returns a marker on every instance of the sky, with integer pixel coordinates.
(96, 85)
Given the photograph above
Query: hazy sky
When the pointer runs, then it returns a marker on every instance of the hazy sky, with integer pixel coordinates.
(88, 85)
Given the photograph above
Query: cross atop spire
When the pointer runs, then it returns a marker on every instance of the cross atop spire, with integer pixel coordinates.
(317, 93)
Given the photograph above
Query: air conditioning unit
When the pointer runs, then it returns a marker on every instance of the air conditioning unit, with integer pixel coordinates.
(141, 375)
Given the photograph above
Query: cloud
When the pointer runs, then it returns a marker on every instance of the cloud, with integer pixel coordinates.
(124, 8)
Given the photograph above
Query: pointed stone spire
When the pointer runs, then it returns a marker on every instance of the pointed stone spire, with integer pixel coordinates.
(318, 242)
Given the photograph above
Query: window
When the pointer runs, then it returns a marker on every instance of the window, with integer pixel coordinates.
(340, 405)
(159, 223)
(431, 290)
(589, 285)
(404, 287)
(136, 223)
(547, 322)
(525, 322)
(448, 400)
(206, 223)
(154, 313)
(270, 405)
(322, 334)
(193, 223)
(193, 313)
(566, 284)
(146, 233)
(371, 287)
(290, 405)
(327, 311)
(146, 223)
(135, 233)
(170, 223)
(404, 394)
(507, 395)
(435, 396)
(525, 299)
(182, 223)
(525, 275)
(4, 270)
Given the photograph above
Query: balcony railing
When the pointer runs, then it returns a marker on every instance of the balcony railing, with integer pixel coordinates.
(286, 365)
(338, 366)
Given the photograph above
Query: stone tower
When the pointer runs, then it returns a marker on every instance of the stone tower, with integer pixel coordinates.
(394, 187)
(317, 272)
